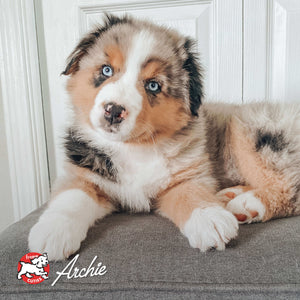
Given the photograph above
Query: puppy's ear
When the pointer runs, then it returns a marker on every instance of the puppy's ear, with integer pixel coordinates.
(89, 40)
(192, 66)
(80, 51)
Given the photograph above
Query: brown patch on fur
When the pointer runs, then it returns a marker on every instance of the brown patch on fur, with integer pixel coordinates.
(83, 92)
(277, 200)
(115, 56)
(189, 173)
(178, 203)
(159, 121)
(269, 186)
(152, 68)
(244, 188)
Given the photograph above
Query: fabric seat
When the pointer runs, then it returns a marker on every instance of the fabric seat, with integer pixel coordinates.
(147, 257)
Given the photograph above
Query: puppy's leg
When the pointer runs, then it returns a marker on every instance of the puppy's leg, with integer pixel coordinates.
(64, 224)
(261, 204)
(271, 193)
(199, 215)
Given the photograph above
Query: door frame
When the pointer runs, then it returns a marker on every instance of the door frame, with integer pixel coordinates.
(21, 95)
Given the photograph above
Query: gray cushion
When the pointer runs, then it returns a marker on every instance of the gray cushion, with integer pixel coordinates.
(147, 257)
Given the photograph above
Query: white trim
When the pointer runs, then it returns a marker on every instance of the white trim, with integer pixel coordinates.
(227, 59)
(280, 37)
(117, 5)
(269, 49)
(255, 56)
(23, 108)
(279, 48)
(91, 7)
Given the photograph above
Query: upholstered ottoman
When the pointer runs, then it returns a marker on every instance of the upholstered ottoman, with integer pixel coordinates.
(146, 257)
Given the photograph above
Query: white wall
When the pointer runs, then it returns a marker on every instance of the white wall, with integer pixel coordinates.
(6, 211)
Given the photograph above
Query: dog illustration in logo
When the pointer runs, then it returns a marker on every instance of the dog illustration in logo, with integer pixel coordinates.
(35, 267)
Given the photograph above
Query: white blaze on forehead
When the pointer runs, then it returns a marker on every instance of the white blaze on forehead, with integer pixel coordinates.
(124, 90)
(141, 48)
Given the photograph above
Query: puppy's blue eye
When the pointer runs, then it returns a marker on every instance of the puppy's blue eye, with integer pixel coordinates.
(107, 71)
(153, 87)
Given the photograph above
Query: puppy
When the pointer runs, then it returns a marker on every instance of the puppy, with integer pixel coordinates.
(36, 267)
(141, 140)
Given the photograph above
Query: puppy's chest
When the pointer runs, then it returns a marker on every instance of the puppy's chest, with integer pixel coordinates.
(131, 175)
(140, 175)
(140, 167)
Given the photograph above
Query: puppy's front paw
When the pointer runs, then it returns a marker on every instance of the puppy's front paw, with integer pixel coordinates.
(57, 235)
(212, 227)
(247, 208)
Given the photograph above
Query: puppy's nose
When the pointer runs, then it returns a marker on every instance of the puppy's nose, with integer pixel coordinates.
(114, 113)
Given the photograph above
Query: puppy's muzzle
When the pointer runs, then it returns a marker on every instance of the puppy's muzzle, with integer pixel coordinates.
(114, 113)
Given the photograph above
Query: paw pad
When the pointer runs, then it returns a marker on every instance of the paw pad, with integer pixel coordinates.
(230, 195)
(247, 208)
(241, 217)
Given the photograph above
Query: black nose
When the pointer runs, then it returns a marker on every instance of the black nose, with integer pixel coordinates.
(114, 113)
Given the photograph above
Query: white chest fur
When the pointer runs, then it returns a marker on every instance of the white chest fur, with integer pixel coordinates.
(142, 173)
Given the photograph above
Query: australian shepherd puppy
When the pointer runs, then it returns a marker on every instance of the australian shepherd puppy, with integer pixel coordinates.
(142, 140)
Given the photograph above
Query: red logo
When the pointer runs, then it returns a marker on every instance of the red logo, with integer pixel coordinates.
(33, 268)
